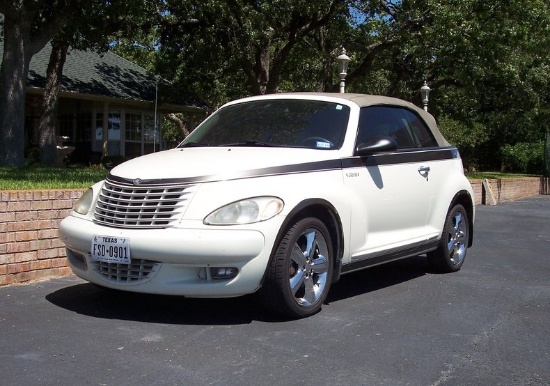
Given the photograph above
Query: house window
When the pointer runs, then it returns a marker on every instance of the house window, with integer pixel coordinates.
(141, 136)
(84, 127)
(133, 127)
(133, 135)
(113, 121)
(65, 123)
(151, 134)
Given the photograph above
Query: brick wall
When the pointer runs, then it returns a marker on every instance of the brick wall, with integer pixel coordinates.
(30, 248)
(494, 191)
(477, 186)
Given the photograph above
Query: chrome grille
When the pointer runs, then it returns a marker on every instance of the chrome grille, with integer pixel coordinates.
(138, 270)
(145, 206)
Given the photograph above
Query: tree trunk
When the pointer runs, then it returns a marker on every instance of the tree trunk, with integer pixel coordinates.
(13, 79)
(21, 42)
(47, 132)
(179, 123)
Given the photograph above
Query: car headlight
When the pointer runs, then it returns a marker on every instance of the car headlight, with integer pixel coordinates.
(84, 204)
(246, 211)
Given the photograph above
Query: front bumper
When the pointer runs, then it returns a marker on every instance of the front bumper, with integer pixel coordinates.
(173, 261)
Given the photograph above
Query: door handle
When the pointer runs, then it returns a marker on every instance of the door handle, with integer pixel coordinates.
(424, 171)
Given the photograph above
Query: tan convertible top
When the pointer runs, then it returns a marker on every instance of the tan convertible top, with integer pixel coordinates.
(363, 100)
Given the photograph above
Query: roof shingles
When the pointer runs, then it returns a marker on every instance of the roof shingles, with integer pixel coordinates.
(87, 72)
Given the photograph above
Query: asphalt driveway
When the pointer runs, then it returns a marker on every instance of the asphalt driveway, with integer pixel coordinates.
(397, 324)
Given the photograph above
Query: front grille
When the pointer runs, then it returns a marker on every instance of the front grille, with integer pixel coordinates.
(138, 270)
(144, 206)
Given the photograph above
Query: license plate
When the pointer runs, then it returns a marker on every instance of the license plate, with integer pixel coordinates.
(110, 249)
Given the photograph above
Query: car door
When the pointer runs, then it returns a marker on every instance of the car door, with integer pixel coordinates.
(392, 190)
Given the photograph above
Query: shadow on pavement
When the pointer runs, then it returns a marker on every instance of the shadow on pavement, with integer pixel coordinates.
(90, 300)
(378, 277)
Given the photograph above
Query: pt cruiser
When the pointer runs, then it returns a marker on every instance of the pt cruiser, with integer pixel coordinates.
(280, 195)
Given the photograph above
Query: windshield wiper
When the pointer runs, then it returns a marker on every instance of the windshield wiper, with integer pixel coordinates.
(251, 143)
(193, 144)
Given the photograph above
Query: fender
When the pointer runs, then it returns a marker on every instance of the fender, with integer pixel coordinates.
(326, 212)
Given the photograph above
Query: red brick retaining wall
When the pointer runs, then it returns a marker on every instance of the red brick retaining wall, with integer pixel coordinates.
(30, 248)
(494, 191)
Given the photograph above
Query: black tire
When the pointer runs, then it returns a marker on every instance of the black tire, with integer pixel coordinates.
(300, 273)
(451, 252)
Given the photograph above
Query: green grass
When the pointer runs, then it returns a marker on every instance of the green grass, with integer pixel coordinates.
(50, 177)
(496, 175)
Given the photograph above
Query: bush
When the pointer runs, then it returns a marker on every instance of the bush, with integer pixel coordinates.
(32, 156)
(523, 157)
(467, 137)
(111, 161)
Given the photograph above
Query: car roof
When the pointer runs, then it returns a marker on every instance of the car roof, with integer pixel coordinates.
(361, 100)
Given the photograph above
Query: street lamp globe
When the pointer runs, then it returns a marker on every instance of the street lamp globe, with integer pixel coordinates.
(343, 61)
(425, 93)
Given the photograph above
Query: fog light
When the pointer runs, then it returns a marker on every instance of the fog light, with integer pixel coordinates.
(223, 272)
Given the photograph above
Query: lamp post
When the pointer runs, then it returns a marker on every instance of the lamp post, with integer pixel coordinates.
(156, 107)
(343, 61)
(425, 93)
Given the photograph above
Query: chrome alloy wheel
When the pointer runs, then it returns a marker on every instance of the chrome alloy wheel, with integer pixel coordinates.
(309, 268)
(457, 238)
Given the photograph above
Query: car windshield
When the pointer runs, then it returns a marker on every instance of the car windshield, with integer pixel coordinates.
(279, 122)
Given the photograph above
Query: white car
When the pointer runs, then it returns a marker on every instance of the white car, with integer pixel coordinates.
(278, 194)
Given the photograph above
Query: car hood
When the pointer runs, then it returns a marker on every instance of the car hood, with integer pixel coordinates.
(220, 163)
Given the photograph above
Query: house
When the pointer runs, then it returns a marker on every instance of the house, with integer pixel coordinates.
(107, 106)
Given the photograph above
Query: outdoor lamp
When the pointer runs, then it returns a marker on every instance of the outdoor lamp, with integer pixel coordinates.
(343, 61)
(425, 92)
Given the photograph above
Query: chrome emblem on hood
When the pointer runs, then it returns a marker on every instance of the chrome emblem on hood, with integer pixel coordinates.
(137, 181)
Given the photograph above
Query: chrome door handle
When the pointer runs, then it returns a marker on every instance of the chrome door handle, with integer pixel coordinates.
(424, 171)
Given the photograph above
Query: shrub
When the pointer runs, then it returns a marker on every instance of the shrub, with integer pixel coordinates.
(467, 137)
(524, 157)
(111, 161)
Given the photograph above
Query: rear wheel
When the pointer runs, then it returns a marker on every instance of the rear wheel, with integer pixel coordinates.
(451, 252)
(299, 276)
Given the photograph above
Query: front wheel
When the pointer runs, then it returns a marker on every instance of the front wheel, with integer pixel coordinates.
(299, 276)
(451, 252)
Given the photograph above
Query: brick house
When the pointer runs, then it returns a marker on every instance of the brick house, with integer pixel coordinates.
(106, 105)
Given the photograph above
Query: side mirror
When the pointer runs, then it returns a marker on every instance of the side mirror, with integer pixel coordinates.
(376, 144)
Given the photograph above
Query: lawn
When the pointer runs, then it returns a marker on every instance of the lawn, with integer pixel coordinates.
(50, 177)
(496, 175)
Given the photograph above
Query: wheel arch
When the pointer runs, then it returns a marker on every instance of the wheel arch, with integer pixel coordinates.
(325, 212)
(464, 198)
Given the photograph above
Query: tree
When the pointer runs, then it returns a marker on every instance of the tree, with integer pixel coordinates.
(487, 63)
(98, 22)
(28, 26)
(490, 67)
(142, 47)
(245, 44)
(47, 134)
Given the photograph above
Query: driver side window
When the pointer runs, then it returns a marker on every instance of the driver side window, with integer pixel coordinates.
(405, 127)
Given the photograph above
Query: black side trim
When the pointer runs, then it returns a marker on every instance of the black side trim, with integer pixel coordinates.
(397, 254)
(334, 164)
(399, 157)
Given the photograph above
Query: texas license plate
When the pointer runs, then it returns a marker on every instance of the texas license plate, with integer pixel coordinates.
(110, 249)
